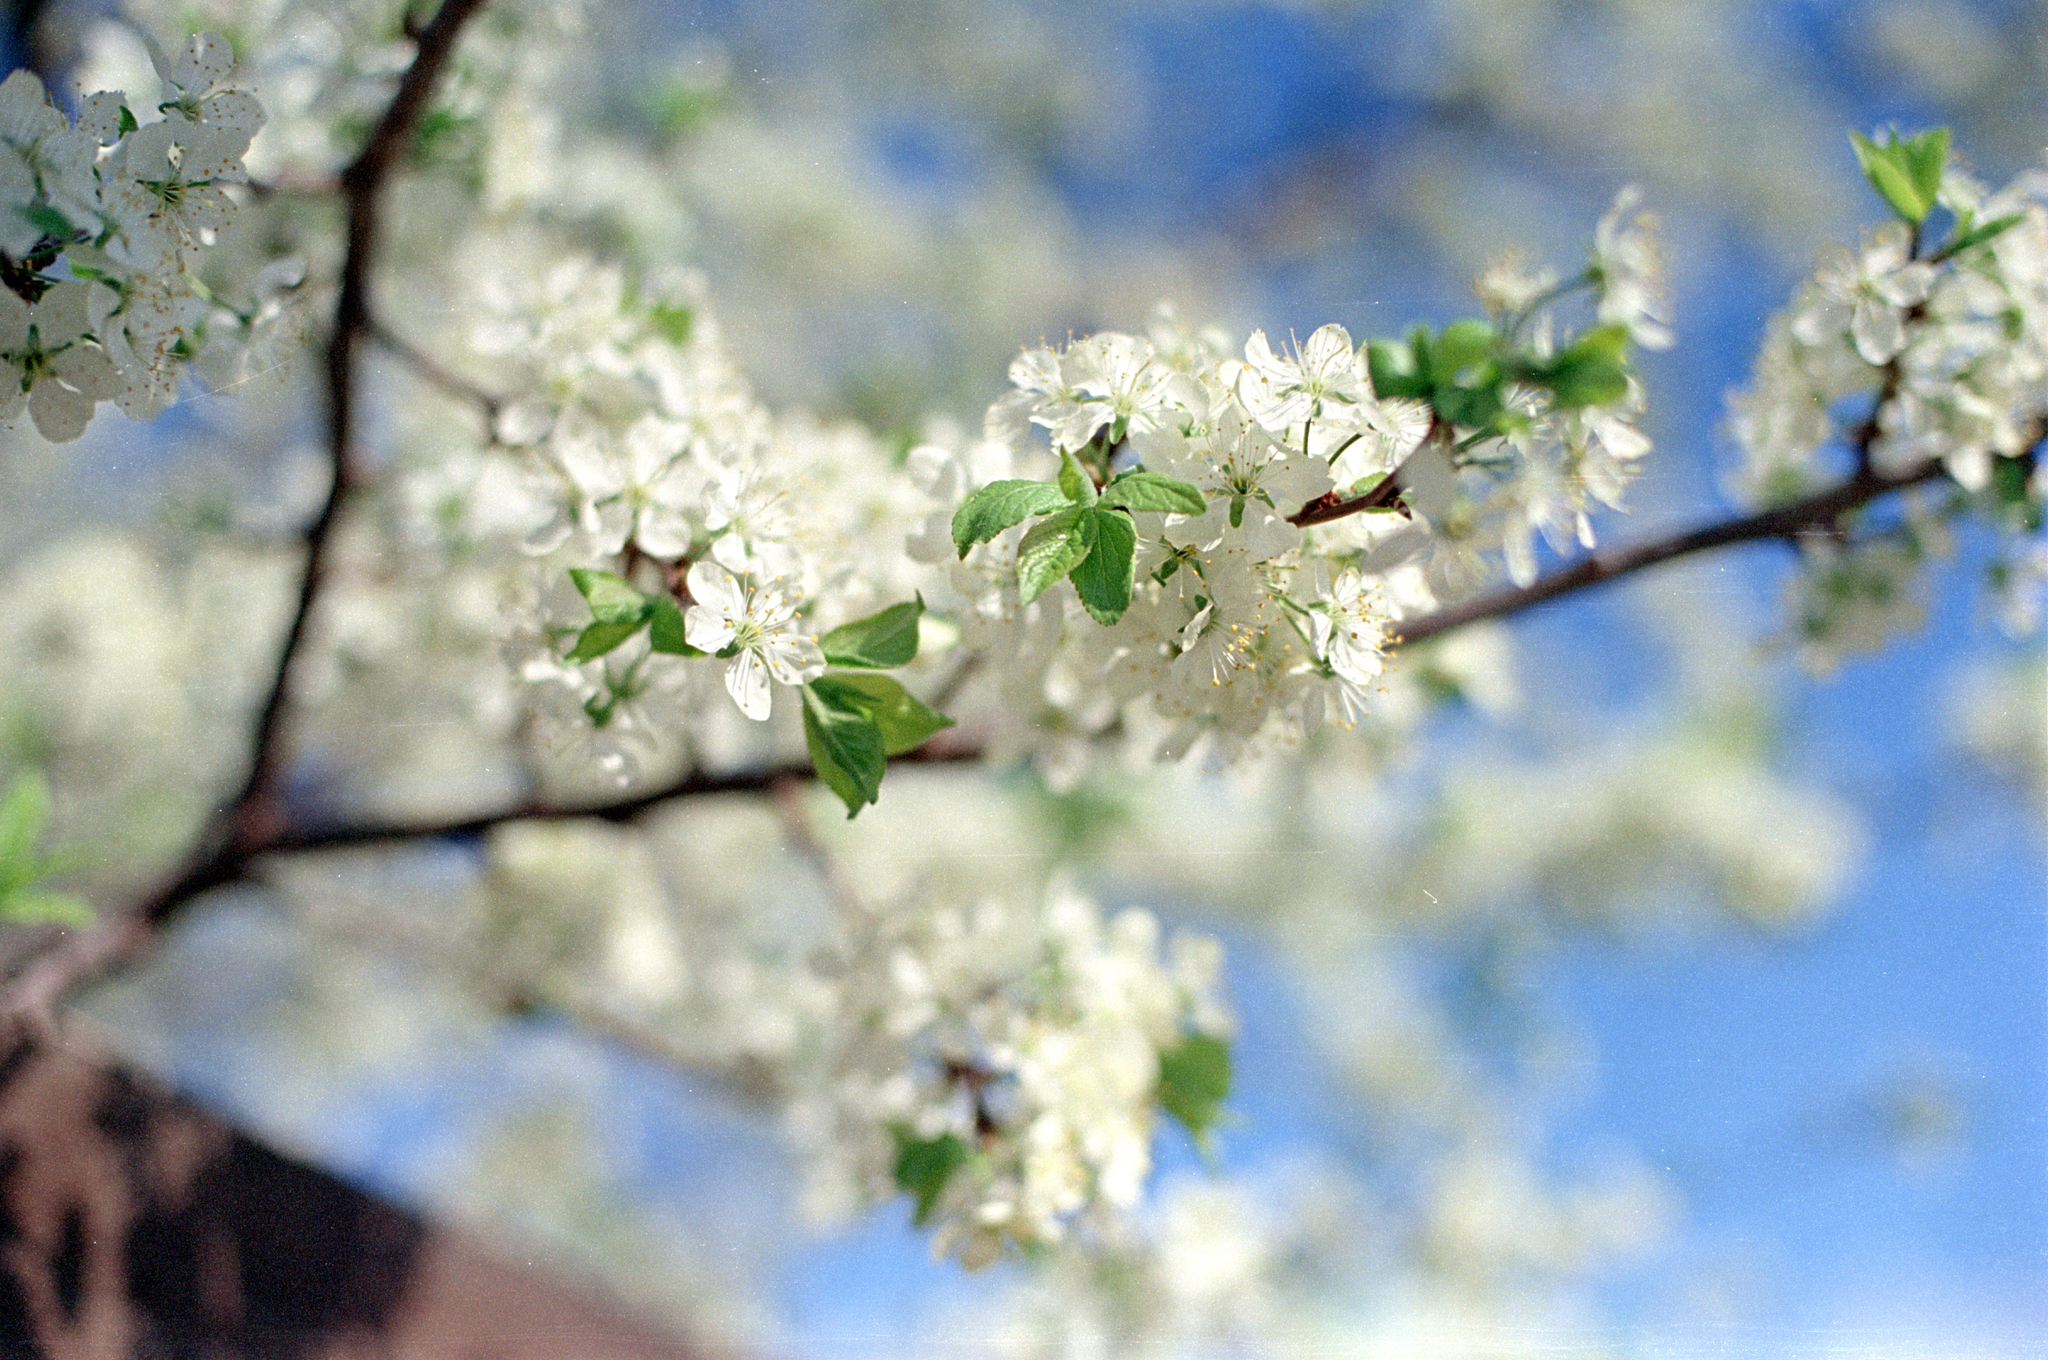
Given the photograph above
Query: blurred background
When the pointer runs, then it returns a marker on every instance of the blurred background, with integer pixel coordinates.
(1733, 1037)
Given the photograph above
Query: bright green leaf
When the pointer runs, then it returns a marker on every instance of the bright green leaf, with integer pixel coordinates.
(672, 323)
(1968, 238)
(598, 639)
(1194, 1079)
(904, 720)
(846, 748)
(1462, 345)
(1395, 370)
(1477, 405)
(34, 905)
(1141, 490)
(124, 121)
(1606, 342)
(1926, 157)
(879, 640)
(611, 599)
(1075, 483)
(997, 506)
(1591, 371)
(924, 1165)
(23, 814)
(665, 634)
(1103, 578)
(1051, 548)
(1890, 173)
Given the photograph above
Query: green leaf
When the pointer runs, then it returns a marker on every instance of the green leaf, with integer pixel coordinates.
(1968, 237)
(846, 748)
(49, 221)
(598, 639)
(22, 817)
(1892, 172)
(1462, 345)
(1590, 372)
(1051, 549)
(124, 122)
(1395, 370)
(672, 323)
(997, 506)
(924, 1165)
(1476, 404)
(1194, 1079)
(666, 633)
(879, 640)
(2009, 478)
(611, 599)
(1103, 578)
(53, 908)
(903, 719)
(1141, 490)
(1075, 483)
(1925, 157)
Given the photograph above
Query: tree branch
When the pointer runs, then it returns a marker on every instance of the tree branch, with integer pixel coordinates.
(1384, 494)
(438, 375)
(1813, 514)
(254, 819)
(696, 784)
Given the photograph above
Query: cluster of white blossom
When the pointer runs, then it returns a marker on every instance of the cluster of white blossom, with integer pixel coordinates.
(1002, 1064)
(1330, 510)
(637, 450)
(101, 220)
(1170, 541)
(1909, 354)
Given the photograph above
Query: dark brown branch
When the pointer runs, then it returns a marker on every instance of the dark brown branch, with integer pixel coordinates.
(696, 784)
(254, 819)
(1385, 494)
(1816, 513)
(255, 816)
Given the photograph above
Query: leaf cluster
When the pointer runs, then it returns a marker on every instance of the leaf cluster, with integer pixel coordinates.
(1194, 1081)
(854, 722)
(1905, 171)
(618, 611)
(1463, 371)
(1088, 534)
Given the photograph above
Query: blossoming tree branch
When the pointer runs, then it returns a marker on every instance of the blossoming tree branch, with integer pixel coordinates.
(1161, 545)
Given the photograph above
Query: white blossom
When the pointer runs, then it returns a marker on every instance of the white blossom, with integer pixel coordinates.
(760, 623)
(1628, 270)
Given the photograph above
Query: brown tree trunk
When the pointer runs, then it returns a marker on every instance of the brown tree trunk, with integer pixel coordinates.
(132, 1224)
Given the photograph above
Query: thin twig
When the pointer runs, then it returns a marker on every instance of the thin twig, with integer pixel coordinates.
(437, 374)
(696, 784)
